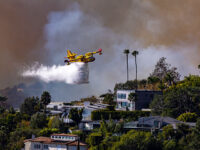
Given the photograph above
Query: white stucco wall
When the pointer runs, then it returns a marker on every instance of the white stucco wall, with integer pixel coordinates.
(119, 100)
(30, 146)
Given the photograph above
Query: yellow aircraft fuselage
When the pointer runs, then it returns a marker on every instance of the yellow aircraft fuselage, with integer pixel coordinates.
(88, 57)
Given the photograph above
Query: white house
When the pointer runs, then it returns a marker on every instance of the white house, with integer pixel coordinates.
(144, 98)
(55, 105)
(55, 142)
(122, 100)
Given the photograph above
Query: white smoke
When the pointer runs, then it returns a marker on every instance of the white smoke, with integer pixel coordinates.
(75, 73)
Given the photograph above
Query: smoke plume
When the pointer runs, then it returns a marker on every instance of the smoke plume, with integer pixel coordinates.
(41, 31)
(76, 73)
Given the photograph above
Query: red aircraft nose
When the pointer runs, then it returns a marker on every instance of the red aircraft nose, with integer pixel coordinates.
(100, 50)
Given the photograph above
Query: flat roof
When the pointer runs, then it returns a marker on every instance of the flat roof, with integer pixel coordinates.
(63, 134)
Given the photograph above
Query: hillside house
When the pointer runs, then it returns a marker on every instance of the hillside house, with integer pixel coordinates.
(55, 142)
(143, 99)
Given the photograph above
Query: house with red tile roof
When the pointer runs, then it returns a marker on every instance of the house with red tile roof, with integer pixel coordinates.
(55, 142)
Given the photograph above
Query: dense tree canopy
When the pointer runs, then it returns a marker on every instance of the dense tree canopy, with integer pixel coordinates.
(180, 98)
(108, 98)
(38, 120)
(163, 70)
(30, 105)
(76, 115)
(45, 99)
(132, 97)
(188, 117)
(137, 140)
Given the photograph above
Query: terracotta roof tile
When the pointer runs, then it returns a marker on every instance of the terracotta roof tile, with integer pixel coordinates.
(48, 140)
(39, 139)
(75, 143)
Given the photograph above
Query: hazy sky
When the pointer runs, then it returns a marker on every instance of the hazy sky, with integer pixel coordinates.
(41, 31)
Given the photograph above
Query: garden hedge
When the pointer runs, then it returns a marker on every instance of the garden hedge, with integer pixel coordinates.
(106, 114)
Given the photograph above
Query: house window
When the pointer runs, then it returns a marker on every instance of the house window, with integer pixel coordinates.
(124, 104)
(45, 146)
(37, 146)
(121, 96)
(124, 96)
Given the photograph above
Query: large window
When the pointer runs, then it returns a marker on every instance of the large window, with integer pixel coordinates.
(37, 146)
(124, 104)
(121, 96)
(45, 146)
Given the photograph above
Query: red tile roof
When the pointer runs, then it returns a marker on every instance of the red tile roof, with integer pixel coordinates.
(47, 140)
(39, 139)
(75, 143)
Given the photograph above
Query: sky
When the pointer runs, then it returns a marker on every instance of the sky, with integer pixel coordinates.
(38, 31)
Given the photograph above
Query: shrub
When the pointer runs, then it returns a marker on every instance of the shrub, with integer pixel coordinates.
(48, 131)
(188, 117)
(106, 114)
(38, 120)
(95, 139)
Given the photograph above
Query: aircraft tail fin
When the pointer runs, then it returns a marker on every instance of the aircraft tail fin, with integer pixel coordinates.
(70, 54)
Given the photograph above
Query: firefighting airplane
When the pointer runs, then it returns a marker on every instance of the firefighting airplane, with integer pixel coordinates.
(88, 57)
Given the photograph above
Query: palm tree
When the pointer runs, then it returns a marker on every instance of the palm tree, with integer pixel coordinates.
(135, 53)
(126, 52)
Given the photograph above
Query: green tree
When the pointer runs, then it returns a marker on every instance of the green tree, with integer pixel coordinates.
(169, 145)
(3, 99)
(157, 105)
(45, 99)
(38, 120)
(28, 107)
(164, 70)
(143, 83)
(169, 79)
(193, 140)
(188, 117)
(76, 115)
(152, 80)
(91, 99)
(168, 133)
(2, 104)
(179, 98)
(11, 110)
(3, 140)
(11, 122)
(126, 52)
(182, 131)
(94, 139)
(17, 137)
(48, 131)
(137, 140)
(108, 98)
(129, 85)
(135, 53)
(55, 122)
(132, 97)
